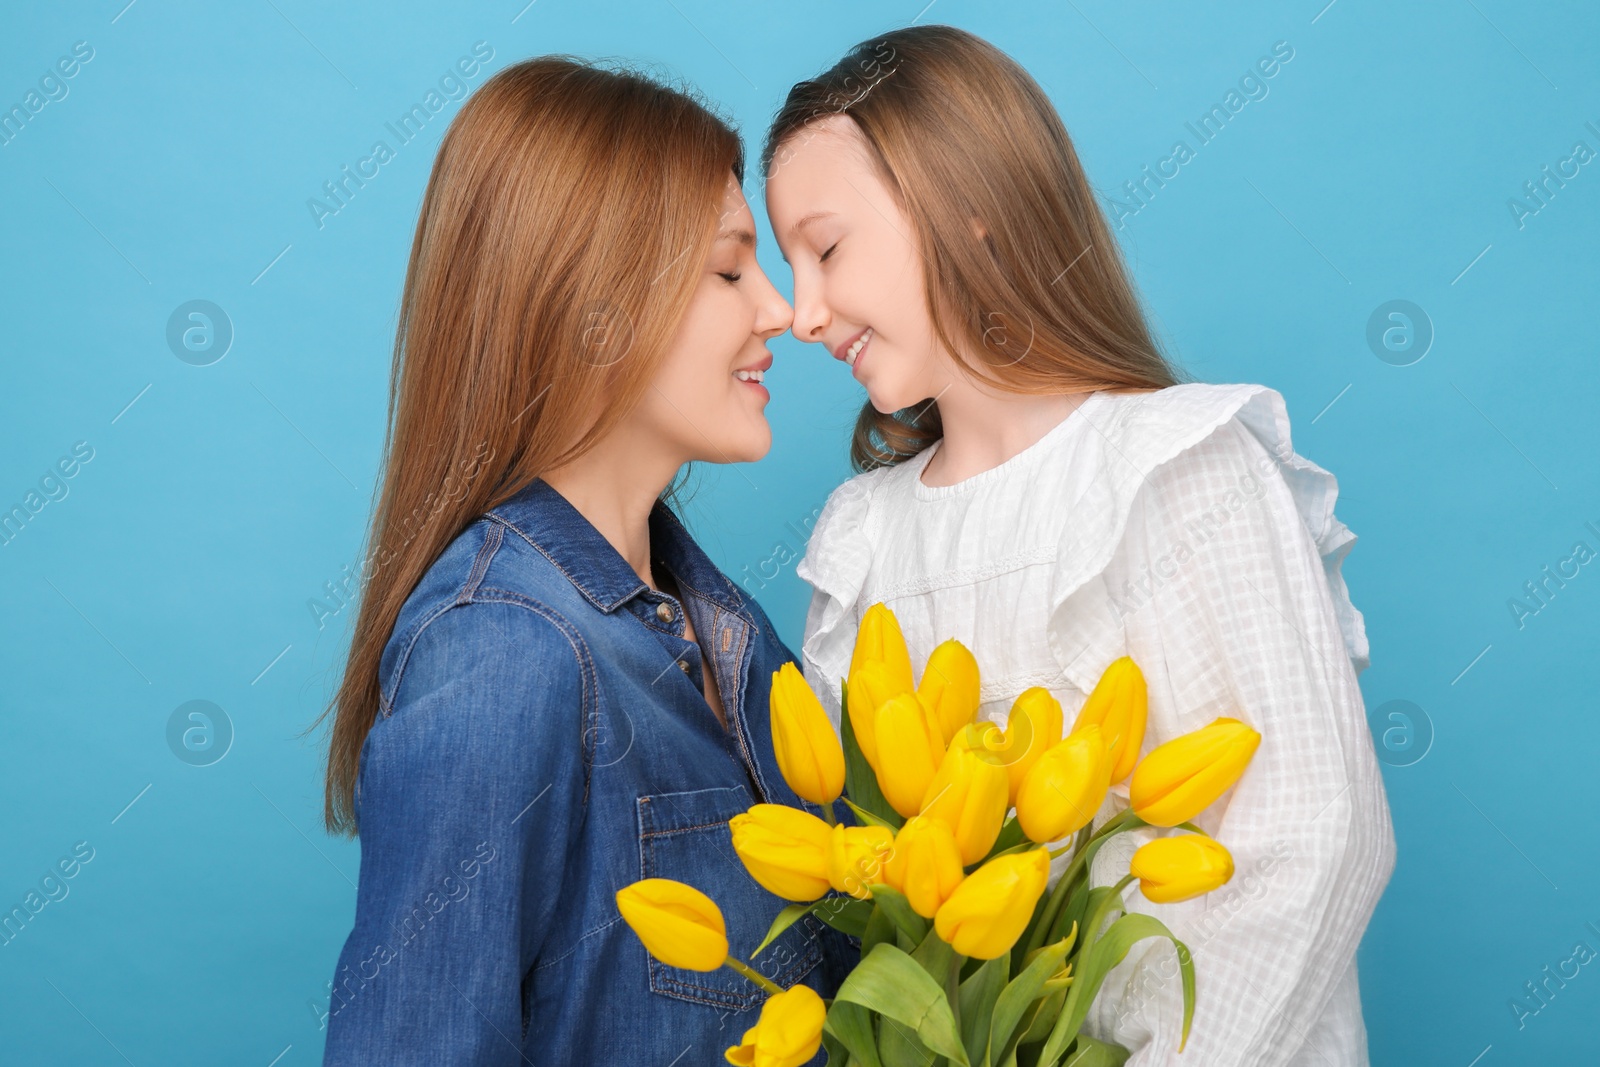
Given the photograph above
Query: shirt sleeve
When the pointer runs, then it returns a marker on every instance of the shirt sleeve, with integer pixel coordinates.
(471, 791)
(1226, 607)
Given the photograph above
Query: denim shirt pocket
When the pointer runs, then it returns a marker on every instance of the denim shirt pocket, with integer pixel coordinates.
(685, 837)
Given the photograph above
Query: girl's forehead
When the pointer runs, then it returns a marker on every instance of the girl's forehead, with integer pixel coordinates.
(823, 159)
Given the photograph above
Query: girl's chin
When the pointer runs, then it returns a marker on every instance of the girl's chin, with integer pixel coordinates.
(882, 405)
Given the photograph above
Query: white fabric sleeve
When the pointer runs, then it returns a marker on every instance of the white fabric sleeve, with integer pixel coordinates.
(1225, 602)
(838, 557)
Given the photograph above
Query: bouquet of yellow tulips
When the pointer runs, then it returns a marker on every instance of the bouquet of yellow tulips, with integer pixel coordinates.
(966, 959)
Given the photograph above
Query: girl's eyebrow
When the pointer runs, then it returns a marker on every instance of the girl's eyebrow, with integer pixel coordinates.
(806, 220)
(744, 237)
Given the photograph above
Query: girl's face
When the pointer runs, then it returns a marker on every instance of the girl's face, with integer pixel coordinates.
(858, 274)
(707, 401)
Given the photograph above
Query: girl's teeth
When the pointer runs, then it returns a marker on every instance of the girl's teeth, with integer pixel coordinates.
(855, 349)
(750, 375)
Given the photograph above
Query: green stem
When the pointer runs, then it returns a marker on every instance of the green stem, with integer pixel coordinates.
(1092, 930)
(1091, 933)
(754, 975)
(1117, 822)
(1080, 854)
(1058, 895)
(828, 815)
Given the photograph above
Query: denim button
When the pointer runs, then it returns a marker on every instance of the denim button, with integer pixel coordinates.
(664, 611)
(683, 665)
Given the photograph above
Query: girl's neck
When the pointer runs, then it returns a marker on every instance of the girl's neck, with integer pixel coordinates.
(983, 430)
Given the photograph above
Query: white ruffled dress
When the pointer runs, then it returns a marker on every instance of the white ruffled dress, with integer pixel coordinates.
(1178, 527)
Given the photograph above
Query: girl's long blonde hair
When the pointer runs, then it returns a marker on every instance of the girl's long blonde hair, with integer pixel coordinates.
(962, 134)
(564, 228)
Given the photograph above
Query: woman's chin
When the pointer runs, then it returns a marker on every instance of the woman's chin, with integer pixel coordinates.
(748, 447)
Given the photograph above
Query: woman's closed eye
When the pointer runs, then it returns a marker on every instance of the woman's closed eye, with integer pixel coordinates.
(730, 276)
(823, 258)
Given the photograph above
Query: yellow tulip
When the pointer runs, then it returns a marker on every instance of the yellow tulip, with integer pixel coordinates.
(1119, 705)
(1033, 727)
(870, 686)
(679, 925)
(969, 793)
(910, 748)
(879, 640)
(1180, 779)
(1171, 869)
(987, 912)
(925, 864)
(808, 751)
(949, 687)
(788, 1033)
(1065, 787)
(784, 849)
(856, 855)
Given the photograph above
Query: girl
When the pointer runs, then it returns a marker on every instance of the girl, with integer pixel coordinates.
(552, 692)
(1037, 484)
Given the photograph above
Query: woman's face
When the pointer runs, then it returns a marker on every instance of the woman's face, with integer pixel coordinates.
(858, 274)
(707, 401)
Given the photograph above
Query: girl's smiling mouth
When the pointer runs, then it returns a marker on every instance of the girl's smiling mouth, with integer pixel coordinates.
(851, 350)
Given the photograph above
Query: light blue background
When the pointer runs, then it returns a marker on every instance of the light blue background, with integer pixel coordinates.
(179, 566)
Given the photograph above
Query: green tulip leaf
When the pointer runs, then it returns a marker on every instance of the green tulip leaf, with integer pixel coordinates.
(838, 1052)
(1088, 1052)
(845, 914)
(880, 928)
(1093, 899)
(785, 919)
(937, 957)
(860, 780)
(851, 1025)
(866, 817)
(1100, 955)
(1020, 992)
(1042, 1017)
(1076, 909)
(892, 984)
(898, 1046)
(1071, 938)
(894, 903)
(977, 1002)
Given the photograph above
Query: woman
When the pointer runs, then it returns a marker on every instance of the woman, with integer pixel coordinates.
(1037, 484)
(552, 692)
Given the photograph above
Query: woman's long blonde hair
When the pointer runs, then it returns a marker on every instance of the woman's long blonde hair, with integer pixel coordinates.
(961, 133)
(564, 228)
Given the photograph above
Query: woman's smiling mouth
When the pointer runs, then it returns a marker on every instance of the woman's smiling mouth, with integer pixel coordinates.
(755, 373)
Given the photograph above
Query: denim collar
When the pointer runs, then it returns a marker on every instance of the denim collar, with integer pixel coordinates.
(559, 531)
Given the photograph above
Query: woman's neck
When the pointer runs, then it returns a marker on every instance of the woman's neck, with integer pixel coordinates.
(615, 486)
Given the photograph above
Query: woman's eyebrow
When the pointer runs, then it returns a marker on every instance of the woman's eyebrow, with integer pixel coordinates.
(744, 237)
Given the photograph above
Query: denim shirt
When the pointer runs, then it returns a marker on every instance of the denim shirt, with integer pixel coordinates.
(543, 740)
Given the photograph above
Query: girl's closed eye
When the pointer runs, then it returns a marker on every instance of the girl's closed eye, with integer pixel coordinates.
(824, 257)
(730, 276)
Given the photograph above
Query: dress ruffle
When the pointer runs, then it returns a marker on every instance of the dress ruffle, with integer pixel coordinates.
(1132, 439)
(838, 557)
(1135, 438)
